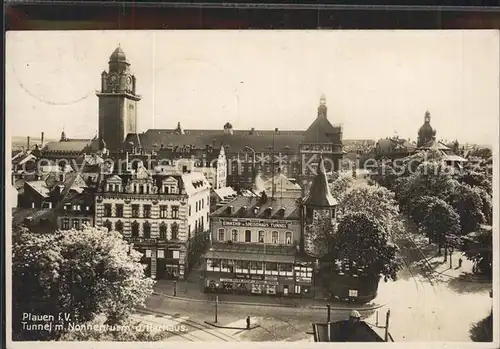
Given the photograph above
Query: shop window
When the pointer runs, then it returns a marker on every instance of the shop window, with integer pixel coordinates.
(161, 254)
(271, 268)
(256, 288)
(234, 236)
(256, 268)
(224, 266)
(248, 235)
(261, 236)
(271, 289)
(222, 234)
(275, 236)
(288, 238)
(215, 264)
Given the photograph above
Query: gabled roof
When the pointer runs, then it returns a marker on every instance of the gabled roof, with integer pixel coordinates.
(320, 195)
(321, 131)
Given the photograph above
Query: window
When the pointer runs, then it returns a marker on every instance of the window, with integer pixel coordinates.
(135, 229)
(222, 234)
(107, 224)
(175, 211)
(119, 210)
(261, 236)
(163, 211)
(65, 224)
(175, 254)
(86, 222)
(248, 235)
(147, 211)
(189, 210)
(288, 238)
(160, 254)
(175, 231)
(275, 237)
(148, 253)
(234, 236)
(163, 231)
(107, 210)
(119, 226)
(146, 230)
(141, 189)
(272, 266)
(135, 211)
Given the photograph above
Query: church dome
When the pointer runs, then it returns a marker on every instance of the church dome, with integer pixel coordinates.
(118, 55)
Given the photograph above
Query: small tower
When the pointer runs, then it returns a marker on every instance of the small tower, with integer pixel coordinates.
(228, 128)
(63, 136)
(178, 129)
(426, 133)
(318, 212)
(322, 109)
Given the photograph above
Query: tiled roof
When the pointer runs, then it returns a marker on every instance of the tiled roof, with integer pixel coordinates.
(76, 145)
(320, 195)
(224, 192)
(264, 253)
(40, 187)
(243, 207)
(35, 213)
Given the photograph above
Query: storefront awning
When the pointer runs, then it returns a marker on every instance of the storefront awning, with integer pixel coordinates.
(258, 257)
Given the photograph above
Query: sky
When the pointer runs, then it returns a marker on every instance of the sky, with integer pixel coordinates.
(377, 83)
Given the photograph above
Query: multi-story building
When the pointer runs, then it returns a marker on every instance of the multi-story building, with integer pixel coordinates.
(165, 215)
(256, 248)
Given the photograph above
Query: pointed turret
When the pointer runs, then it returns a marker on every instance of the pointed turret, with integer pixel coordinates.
(319, 195)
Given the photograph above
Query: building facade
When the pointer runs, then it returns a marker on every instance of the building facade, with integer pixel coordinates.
(255, 249)
(165, 216)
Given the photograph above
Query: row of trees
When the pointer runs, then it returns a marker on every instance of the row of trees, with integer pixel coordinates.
(77, 277)
(444, 202)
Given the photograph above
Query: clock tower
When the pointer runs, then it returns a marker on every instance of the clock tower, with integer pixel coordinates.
(117, 101)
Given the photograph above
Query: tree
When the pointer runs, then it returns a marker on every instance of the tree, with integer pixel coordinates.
(475, 179)
(77, 273)
(376, 201)
(482, 331)
(419, 207)
(479, 250)
(361, 242)
(440, 220)
(340, 185)
(468, 204)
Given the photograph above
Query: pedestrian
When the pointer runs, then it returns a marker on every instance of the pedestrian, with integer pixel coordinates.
(248, 322)
(460, 262)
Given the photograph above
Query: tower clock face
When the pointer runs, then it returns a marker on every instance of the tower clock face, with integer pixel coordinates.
(129, 83)
(112, 80)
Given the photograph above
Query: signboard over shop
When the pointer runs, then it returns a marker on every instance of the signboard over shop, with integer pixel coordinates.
(246, 281)
(255, 224)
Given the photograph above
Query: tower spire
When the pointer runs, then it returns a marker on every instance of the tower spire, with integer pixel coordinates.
(320, 195)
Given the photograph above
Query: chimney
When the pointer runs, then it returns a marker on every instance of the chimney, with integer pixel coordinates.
(43, 134)
(28, 146)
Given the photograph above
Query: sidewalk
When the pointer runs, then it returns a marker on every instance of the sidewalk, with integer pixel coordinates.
(190, 290)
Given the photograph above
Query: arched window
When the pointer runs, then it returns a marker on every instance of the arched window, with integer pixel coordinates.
(288, 238)
(175, 231)
(222, 234)
(234, 236)
(135, 229)
(275, 237)
(163, 231)
(119, 226)
(108, 225)
(146, 230)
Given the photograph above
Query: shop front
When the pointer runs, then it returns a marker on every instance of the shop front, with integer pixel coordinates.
(168, 263)
(249, 284)
(303, 281)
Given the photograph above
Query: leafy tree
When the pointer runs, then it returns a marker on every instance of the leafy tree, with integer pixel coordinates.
(480, 250)
(487, 205)
(440, 220)
(482, 331)
(419, 207)
(76, 273)
(484, 153)
(468, 204)
(340, 185)
(475, 178)
(360, 241)
(376, 201)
